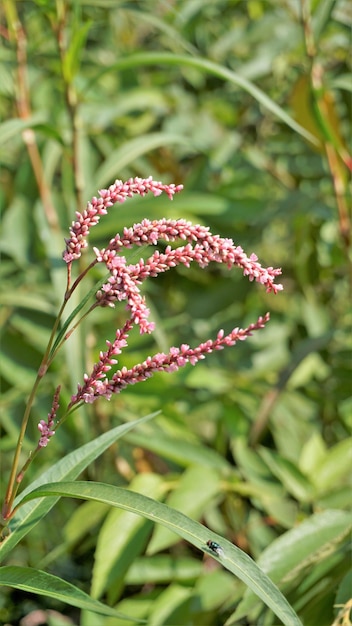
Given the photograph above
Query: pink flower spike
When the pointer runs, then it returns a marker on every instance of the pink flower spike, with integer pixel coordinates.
(118, 192)
(95, 383)
(161, 362)
(46, 428)
(201, 247)
(46, 433)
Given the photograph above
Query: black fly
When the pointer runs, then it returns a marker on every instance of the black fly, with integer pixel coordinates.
(215, 547)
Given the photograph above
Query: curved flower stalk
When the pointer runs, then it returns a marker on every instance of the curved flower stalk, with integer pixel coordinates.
(123, 284)
(199, 246)
(96, 385)
(118, 192)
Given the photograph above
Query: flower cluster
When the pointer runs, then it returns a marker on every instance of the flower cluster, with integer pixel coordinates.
(46, 427)
(95, 387)
(118, 192)
(202, 247)
(199, 245)
(95, 384)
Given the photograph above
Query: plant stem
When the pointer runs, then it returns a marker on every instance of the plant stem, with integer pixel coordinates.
(335, 152)
(14, 477)
(18, 35)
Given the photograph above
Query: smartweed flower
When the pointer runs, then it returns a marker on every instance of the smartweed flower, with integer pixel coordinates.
(199, 246)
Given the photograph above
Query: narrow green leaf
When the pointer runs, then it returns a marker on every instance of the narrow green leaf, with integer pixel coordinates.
(233, 559)
(34, 301)
(67, 468)
(342, 82)
(335, 467)
(290, 476)
(313, 452)
(11, 128)
(83, 520)
(321, 17)
(310, 542)
(173, 33)
(171, 605)
(63, 329)
(196, 488)
(72, 57)
(215, 589)
(130, 151)
(162, 569)
(43, 584)
(114, 551)
(180, 451)
(165, 58)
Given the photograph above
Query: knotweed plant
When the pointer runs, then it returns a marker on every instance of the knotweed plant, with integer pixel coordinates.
(123, 284)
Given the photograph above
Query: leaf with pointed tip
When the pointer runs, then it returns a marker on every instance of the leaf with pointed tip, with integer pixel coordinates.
(166, 58)
(67, 468)
(36, 581)
(231, 557)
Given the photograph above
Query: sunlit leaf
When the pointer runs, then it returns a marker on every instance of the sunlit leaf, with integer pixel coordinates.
(67, 468)
(233, 559)
(42, 584)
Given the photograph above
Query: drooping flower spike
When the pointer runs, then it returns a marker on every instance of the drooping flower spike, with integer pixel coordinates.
(207, 248)
(118, 192)
(95, 387)
(199, 245)
(46, 427)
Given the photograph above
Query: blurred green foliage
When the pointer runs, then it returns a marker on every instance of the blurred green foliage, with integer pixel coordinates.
(255, 441)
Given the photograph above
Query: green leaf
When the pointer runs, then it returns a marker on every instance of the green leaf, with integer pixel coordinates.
(282, 510)
(161, 569)
(180, 451)
(214, 380)
(165, 58)
(313, 451)
(320, 533)
(83, 301)
(43, 584)
(67, 468)
(33, 301)
(288, 473)
(310, 542)
(171, 606)
(71, 60)
(342, 82)
(18, 219)
(115, 551)
(321, 17)
(233, 559)
(256, 472)
(129, 152)
(12, 128)
(214, 589)
(196, 488)
(335, 467)
(83, 520)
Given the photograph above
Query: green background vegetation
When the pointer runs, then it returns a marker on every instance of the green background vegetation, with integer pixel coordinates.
(248, 105)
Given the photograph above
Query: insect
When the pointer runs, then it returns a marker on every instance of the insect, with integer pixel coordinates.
(215, 547)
